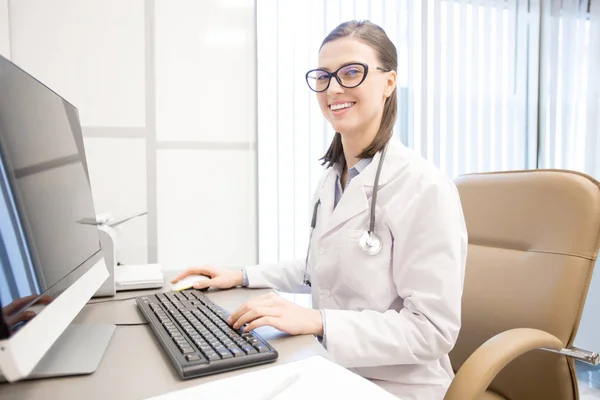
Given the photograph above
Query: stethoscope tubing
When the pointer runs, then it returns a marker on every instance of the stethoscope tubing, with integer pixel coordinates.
(373, 242)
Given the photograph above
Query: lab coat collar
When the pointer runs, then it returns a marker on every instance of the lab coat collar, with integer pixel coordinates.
(356, 198)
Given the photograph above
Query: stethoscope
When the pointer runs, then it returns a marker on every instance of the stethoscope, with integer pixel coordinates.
(369, 242)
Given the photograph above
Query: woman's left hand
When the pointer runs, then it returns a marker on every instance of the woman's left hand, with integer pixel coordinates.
(282, 314)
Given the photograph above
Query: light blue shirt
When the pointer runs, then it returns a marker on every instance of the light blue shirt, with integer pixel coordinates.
(352, 173)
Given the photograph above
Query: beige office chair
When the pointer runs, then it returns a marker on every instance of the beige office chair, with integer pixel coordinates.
(533, 242)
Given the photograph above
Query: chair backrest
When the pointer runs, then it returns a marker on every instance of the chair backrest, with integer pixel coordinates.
(533, 241)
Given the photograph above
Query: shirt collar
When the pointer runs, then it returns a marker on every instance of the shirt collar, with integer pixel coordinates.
(357, 169)
(362, 164)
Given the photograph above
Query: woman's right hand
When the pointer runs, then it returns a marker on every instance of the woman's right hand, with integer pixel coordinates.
(220, 278)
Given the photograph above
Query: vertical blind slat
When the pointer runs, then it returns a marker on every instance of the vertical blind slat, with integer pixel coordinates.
(376, 11)
(593, 94)
(425, 89)
(487, 82)
(512, 58)
(553, 67)
(475, 73)
(436, 92)
(499, 76)
(301, 98)
(449, 66)
(463, 138)
(316, 125)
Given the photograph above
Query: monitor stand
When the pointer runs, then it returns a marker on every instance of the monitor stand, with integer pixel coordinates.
(78, 351)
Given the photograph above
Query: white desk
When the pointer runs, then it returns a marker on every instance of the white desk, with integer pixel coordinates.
(135, 366)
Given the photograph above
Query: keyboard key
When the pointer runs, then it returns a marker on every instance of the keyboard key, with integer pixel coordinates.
(193, 357)
(224, 353)
(237, 352)
(261, 348)
(186, 350)
(249, 349)
(179, 296)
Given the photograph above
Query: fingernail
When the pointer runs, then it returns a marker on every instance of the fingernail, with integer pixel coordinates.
(30, 314)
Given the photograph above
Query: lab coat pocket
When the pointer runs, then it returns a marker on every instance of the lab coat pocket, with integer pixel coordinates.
(363, 273)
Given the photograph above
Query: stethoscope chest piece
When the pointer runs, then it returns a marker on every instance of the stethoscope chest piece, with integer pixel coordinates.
(370, 243)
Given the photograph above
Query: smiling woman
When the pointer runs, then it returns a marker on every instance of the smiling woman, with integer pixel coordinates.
(387, 250)
(367, 112)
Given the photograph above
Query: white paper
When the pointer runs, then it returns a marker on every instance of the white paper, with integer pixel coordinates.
(318, 378)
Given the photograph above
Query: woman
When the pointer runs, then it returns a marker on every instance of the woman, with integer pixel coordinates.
(392, 316)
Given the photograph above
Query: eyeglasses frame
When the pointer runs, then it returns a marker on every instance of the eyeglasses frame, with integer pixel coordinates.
(338, 79)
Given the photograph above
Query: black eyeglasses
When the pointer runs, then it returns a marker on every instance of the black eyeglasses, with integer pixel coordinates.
(348, 76)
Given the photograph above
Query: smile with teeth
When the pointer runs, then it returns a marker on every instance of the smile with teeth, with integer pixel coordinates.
(335, 107)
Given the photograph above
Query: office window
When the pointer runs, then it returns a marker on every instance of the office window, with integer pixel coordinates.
(462, 96)
(570, 86)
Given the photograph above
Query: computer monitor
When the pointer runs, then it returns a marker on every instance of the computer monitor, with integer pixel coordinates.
(51, 264)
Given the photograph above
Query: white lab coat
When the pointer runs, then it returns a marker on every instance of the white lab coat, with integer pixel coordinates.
(392, 317)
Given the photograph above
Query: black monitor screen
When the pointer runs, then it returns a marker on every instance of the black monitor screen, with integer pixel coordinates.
(44, 194)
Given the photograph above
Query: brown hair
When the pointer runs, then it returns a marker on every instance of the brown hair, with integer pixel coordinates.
(374, 36)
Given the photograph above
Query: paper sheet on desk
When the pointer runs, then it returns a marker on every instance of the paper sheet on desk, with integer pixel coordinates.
(319, 379)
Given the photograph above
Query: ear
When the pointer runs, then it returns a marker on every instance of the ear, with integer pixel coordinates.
(390, 84)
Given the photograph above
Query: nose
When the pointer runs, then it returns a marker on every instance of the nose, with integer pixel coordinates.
(334, 87)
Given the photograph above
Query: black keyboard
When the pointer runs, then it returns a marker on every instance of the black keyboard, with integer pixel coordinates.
(195, 335)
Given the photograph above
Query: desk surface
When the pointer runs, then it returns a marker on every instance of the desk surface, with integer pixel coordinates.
(135, 366)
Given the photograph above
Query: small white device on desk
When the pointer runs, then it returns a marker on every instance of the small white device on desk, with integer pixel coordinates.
(122, 277)
(133, 277)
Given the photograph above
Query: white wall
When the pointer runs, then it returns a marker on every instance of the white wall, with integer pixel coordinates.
(4, 29)
(166, 100)
(206, 131)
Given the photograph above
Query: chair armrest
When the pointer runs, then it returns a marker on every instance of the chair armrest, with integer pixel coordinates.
(487, 361)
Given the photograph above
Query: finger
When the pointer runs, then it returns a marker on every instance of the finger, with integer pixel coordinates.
(19, 303)
(249, 305)
(204, 283)
(191, 271)
(264, 321)
(254, 314)
(45, 299)
(24, 316)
